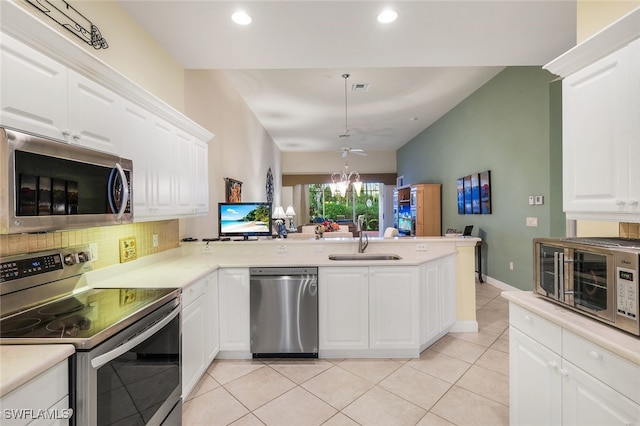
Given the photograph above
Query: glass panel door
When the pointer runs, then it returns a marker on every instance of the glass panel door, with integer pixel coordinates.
(551, 266)
(593, 288)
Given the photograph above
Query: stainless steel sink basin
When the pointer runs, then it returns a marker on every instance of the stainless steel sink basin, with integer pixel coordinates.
(364, 256)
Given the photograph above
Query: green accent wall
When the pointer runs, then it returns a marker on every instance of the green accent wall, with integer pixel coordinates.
(511, 126)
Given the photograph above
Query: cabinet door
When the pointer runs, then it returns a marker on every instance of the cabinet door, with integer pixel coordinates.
(535, 386)
(200, 179)
(184, 172)
(430, 302)
(34, 90)
(233, 290)
(588, 401)
(193, 350)
(596, 131)
(161, 145)
(211, 325)
(394, 307)
(94, 115)
(447, 282)
(135, 146)
(343, 308)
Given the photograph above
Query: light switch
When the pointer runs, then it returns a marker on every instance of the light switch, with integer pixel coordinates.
(539, 199)
(531, 200)
(532, 221)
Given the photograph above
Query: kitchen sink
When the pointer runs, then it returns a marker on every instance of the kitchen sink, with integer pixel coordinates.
(364, 256)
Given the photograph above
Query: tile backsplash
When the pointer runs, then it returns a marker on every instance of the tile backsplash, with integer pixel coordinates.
(106, 237)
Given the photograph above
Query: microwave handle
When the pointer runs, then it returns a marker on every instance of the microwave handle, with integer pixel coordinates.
(125, 191)
(558, 275)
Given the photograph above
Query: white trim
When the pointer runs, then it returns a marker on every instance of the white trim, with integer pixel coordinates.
(464, 327)
(612, 38)
(500, 284)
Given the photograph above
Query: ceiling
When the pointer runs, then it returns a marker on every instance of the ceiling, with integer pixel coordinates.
(288, 63)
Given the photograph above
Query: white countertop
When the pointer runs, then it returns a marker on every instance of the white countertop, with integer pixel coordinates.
(21, 363)
(623, 344)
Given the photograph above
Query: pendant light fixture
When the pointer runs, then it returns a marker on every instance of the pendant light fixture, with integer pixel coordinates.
(340, 180)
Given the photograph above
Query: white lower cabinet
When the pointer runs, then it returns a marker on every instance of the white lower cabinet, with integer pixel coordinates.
(377, 311)
(567, 380)
(343, 308)
(211, 324)
(394, 307)
(193, 344)
(234, 305)
(48, 392)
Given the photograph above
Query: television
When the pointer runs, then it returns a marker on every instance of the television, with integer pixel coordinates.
(244, 220)
(404, 220)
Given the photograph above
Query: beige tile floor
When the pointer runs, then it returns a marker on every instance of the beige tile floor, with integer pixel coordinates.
(463, 379)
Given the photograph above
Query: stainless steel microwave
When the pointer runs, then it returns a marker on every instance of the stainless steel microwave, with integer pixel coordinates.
(597, 277)
(48, 185)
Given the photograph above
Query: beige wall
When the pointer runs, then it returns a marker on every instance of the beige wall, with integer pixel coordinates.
(325, 162)
(241, 148)
(594, 15)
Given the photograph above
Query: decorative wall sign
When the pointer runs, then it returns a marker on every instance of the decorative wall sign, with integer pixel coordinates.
(269, 186)
(233, 190)
(68, 17)
(474, 193)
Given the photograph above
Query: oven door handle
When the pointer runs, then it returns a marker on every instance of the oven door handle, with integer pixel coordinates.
(101, 360)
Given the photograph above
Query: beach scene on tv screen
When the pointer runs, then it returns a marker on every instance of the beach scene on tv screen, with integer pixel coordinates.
(241, 219)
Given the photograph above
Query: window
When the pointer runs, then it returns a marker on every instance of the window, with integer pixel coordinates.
(324, 205)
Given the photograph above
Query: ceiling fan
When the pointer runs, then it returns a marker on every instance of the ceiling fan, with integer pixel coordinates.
(346, 150)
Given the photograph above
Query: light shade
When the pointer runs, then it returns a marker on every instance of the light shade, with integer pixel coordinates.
(278, 213)
(290, 211)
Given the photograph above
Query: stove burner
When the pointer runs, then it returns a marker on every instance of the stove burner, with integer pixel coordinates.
(63, 307)
(69, 326)
(20, 324)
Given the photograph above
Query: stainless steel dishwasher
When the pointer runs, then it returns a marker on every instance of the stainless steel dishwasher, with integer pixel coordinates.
(284, 312)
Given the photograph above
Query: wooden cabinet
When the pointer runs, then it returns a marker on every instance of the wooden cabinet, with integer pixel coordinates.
(577, 382)
(234, 306)
(42, 96)
(343, 309)
(426, 210)
(48, 393)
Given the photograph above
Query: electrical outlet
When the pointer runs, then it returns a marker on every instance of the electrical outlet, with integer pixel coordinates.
(539, 200)
(128, 249)
(511, 266)
(155, 240)
(93, 248)
(532, 221)
(282, 248)
(207, 248)
(531, 200)
(421, 247)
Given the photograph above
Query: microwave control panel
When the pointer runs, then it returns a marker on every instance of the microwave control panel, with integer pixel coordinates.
(627, 293)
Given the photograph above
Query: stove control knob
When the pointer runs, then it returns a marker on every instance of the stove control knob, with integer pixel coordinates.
(83, 256)
(69, 259)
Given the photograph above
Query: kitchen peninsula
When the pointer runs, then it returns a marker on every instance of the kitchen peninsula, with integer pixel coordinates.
(367, 308)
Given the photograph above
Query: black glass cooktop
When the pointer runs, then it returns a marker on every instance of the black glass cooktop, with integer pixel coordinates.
(84, 319)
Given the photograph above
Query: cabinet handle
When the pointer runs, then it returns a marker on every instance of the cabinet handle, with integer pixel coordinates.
(66, 133)
(552, 364)
(563, 372)
(527, 318)
(620, 203)
(76, 137)
(595, 355)
(633, 202)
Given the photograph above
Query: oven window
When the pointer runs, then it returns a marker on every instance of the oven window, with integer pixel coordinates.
(590, 280)
(549, 273)
(132, 387)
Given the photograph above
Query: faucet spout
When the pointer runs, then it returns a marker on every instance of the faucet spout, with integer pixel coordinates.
(362, 245)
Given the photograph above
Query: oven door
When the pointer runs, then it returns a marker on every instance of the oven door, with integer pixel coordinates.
(592, 273)
(133, 378)
(550, 272)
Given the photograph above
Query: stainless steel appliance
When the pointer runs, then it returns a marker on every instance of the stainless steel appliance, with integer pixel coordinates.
(284, 312)
(49, 185)
(127, 366)
(595, 276)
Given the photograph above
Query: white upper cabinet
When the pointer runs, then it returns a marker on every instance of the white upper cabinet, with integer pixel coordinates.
(601, 129)
(42, 96)
(52, 87)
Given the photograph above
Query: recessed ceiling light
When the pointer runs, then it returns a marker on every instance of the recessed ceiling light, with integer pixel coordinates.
(241, 17)
(387, 16)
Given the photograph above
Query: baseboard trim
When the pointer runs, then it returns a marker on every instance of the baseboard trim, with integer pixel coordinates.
(464, 327)
(500, 284)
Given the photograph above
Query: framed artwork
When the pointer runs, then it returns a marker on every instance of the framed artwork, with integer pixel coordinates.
(475, 194)
(485, 192)
(467, 195)
(460, 196)
(233, 190)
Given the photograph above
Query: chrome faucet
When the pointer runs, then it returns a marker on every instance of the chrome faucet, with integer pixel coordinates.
(362, 245)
